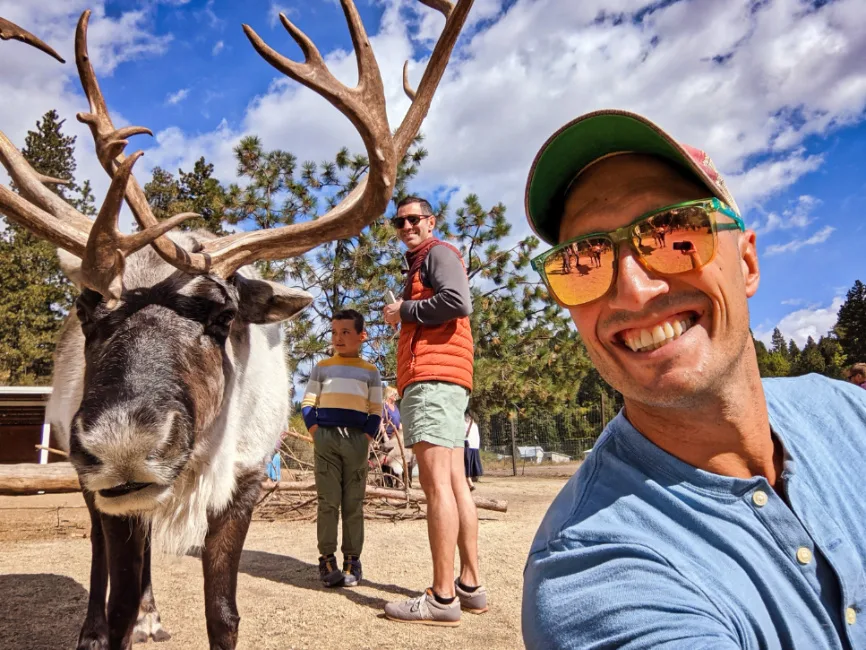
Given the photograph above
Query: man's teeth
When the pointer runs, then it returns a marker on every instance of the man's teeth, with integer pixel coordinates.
(645, 340)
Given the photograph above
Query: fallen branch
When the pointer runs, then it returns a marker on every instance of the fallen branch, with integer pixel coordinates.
(59, 452)
(30, 478)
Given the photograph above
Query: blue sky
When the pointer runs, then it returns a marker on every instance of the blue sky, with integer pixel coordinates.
(774, 91)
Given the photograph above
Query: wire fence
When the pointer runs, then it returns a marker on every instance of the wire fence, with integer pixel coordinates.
(548, 437)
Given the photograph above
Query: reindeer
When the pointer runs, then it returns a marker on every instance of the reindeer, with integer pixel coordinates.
(170, 384)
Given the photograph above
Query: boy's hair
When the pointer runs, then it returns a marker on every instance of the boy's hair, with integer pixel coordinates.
(426, 208)
(352, 315)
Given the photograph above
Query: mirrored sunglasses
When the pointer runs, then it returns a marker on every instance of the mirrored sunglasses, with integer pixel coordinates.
(671, 240)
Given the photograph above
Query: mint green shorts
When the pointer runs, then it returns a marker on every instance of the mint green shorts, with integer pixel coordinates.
(432, 411)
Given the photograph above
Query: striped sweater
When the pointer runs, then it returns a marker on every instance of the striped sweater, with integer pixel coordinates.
(344, 392)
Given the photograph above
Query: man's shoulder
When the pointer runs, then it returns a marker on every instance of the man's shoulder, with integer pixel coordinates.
(599, 497)
(443, 253)
(812, 399)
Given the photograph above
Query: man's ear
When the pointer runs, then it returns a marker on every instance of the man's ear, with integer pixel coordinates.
(260, 301)
(749, 262)
(363, 336)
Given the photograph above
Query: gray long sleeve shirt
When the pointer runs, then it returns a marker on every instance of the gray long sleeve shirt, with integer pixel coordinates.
(443, 272)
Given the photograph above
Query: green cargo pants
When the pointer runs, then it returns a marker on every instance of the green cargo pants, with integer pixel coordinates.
(341, 481)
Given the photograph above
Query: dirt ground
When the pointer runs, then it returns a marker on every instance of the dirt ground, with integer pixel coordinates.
(45, 564)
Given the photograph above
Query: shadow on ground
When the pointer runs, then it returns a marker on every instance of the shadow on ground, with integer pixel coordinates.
(292, 571)
(40, 611)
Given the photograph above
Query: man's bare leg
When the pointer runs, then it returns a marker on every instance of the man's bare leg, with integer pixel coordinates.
(435, 469)
(467, 538)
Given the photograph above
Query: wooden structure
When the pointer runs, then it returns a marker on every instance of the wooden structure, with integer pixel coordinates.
(23, 425)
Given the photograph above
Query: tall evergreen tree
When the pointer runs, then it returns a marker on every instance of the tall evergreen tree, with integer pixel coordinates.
(809, 360)
(36, 296)
(851, 324)
(196, 191)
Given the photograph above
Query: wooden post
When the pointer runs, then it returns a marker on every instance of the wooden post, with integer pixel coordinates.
(513, 417)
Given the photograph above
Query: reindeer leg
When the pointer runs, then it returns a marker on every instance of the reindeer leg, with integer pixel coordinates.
(220, 559)
(148, 624)
(125, 540)
(94, 631)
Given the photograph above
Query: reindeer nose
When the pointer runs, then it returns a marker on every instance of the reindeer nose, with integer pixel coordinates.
(123, 489)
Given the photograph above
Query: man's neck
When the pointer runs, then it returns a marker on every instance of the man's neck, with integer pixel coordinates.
(726, 433)
(422, 244)
(357, 355)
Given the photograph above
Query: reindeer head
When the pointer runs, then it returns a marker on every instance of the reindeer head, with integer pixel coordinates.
(158, 343)
(157, 365)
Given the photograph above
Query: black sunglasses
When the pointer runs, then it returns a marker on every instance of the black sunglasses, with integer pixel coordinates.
(413, 219)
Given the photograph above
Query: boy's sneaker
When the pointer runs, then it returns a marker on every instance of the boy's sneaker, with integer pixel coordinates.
(352, 572)
(474, 602)
(426, 610)
(329, 572)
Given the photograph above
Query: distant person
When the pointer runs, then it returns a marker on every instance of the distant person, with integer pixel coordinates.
(342, 409)
(273, 466)
(857, 374)
(717, 510)
(390, 413)
(471, 453)
(435, 359)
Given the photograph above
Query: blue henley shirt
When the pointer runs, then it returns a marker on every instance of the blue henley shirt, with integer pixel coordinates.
(641, 550)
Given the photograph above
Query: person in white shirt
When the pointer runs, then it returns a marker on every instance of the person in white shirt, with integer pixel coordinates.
(471, 453)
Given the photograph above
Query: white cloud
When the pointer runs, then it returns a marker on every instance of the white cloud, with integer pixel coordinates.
(277, 8)
(798, 215)
(176, 97)
(803, 323)
(793, 302)
(218, 48)
(796, 244)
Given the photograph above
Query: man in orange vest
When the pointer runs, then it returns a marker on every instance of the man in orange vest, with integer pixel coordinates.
(434, 378)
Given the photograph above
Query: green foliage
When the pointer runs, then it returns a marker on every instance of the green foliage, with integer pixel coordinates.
(36, 296)
(851, 324)
(196, 191)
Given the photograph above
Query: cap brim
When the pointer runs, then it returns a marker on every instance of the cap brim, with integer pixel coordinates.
(580, 143)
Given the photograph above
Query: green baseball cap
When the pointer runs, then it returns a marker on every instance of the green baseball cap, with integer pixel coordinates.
(591, 137)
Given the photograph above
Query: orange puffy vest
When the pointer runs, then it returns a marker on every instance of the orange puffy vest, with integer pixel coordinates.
(443, 352)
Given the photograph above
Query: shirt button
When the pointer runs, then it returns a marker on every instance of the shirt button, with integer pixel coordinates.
(759, 498)
(804, 556)
(850, 616)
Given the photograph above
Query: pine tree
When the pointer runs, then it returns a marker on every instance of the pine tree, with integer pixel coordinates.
(196, 191)
(778, 344)
(810, 360)
(36, 296)
(851, 324)
(834, 357)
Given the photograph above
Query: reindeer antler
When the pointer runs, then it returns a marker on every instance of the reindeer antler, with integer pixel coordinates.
(100, 245)
(103, 248)
(11, 30)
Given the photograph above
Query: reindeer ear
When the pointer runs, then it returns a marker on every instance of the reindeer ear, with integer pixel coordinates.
(260, 301)
(71, 266)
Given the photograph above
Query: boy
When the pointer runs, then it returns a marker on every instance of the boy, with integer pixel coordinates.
(342, 409)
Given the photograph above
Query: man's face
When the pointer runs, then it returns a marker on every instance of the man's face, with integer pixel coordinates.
(709, 305)
(414, 236)
(345, 339)
(857, 378)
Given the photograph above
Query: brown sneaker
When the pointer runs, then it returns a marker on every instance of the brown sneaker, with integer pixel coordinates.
(474, 602)
(426, 610)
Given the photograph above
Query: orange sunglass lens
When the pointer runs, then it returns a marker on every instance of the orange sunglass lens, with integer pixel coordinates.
(582, 272)
(676, 241)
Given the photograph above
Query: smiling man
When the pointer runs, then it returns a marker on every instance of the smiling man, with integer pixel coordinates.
(716, 510)
(435, 356)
